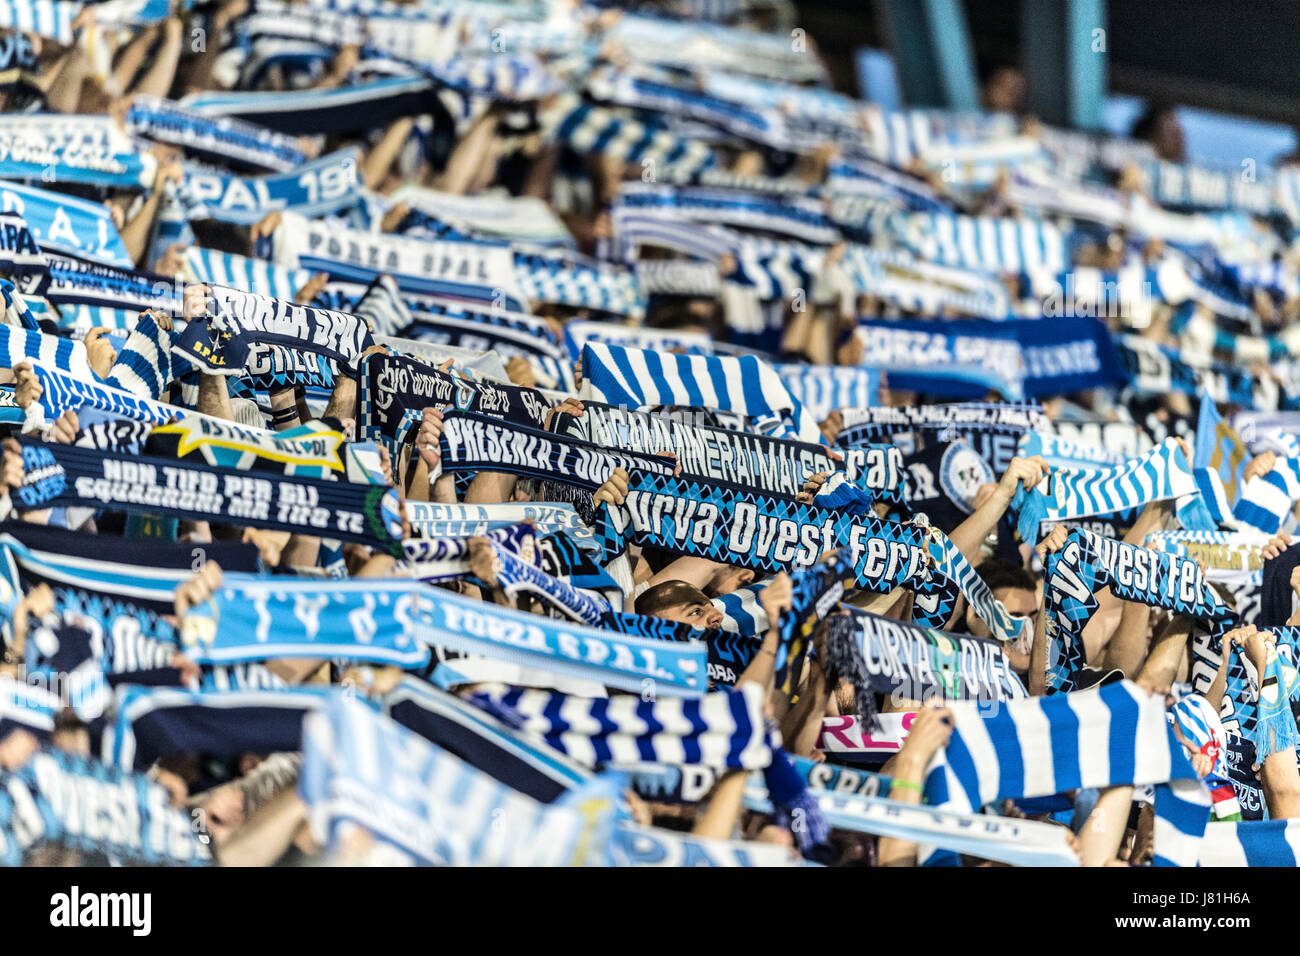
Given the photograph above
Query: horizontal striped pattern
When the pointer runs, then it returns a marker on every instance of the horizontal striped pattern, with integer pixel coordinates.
(1041, 746)
(745, 385)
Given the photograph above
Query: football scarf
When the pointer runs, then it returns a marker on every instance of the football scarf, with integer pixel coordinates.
(469, 270)
(110, 817)
(517, 577)
(515, 218)
(1063, 453)
(1085, 564)
(1275, 727)
(59, 475)
(548, 361)
(993, 430)
(1157, 369)
(433, 520)
(251, 618)
(729, 653)
(312, 451)
(348, 108)
(244, 273)
(1108, 736)
(1227, 554)
(25, 345)
(390, 386)
(442, 619)
(475, 443)
(475, 736)
(220, 138)
(587, 129)
(65, 391)
(1200, 726)
(235, 321)
(634, 845)
(1274, 843)
(735, 526)
(1162, 473)
(362, 770)
(145, 364)
(771, 465)
(823, 389)
(883, 656)
(794, 216)
(635, 378)
(1264, 503)
(578, 333)
(31, 149)
(153, 723)
(65, 224)
(967, 357)
(1014, 842)
(319, 188)
(849, 738)
(719, 730)
(21, 259)
(122, 592)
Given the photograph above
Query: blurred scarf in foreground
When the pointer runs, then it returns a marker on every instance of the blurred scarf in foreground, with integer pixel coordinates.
(1108, 736)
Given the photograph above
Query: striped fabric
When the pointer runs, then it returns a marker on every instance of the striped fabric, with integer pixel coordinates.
(985, 243)
(1264, 503)
(826, 388)
(246, 274)
(19, 345)
(592, 129)
(1251, 843)
(745, 385)
(1041, 746)
(48, 18)
(719, 730)
(1161, 473)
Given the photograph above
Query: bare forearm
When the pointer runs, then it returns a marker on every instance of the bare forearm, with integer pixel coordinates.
(718, 818)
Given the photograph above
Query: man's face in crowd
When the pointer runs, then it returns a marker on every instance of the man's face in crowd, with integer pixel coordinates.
(1019, 602)
(696, 614)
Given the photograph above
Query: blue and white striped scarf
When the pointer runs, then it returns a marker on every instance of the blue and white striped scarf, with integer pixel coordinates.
(361, 769)
(719, 730)
(636, 378)
(242, 272)
(242, 144)
(24, 345)
(589, 129)
(1274, 843)
(565, 278)
(47, 18)
(1264, 503)
(823, 389)
(984, 243)
(792, 216)
(1163, 472)
(1036, 747)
